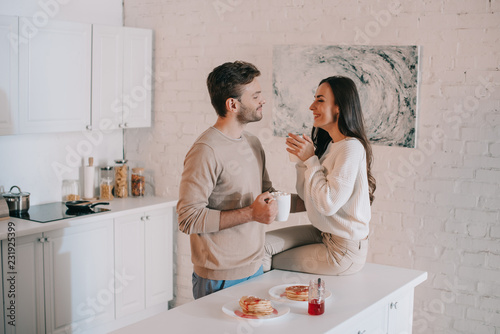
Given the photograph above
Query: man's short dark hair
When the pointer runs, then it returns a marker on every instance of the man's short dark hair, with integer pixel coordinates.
(227, 80)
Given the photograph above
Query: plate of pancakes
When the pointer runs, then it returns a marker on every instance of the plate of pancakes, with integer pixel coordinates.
(292, 293)
(252, 307)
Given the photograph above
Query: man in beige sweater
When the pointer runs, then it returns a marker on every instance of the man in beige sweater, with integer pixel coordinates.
(224, 200)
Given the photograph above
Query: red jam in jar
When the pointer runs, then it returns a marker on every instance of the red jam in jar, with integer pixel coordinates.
(316, 307)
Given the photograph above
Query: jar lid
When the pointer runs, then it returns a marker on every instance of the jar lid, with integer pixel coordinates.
(107, 168)
(17, 194)
(121, 161)
(138, 170)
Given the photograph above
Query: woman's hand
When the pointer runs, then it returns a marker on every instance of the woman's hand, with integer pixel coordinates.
(302, 147)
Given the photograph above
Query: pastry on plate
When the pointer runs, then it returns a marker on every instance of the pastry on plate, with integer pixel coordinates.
(297, 292)
(256, 306)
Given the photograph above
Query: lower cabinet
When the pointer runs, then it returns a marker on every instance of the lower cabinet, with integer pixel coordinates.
(374, 323)
(130, 264)
(79, 279)
(143, 247)
(395, 317)
(401, 313)
(60, 275)
(159, 257)
(25, 287)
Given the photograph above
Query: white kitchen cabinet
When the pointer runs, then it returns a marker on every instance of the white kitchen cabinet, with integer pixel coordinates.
(159, 269)
(107, 77)
(9, 79)
(121, 77)
(143, 246)
(137, 76)
(394, 317)
(29, 289)
(54, 77)
(373, 323)
(94, 275)
(2, 327)
(64, 279)
(401, 313)
(130, 261)
(79, 277)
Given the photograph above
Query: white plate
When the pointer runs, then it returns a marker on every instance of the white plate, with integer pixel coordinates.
(278, 293)
(233, 309)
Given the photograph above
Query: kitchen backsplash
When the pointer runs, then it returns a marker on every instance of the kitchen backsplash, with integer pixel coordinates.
(38, 163)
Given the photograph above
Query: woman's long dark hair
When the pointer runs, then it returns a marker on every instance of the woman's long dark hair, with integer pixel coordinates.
(350, 123)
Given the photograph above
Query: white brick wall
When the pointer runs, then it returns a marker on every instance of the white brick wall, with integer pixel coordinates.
(437, 206)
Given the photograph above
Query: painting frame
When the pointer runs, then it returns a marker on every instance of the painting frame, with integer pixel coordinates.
(387, 78)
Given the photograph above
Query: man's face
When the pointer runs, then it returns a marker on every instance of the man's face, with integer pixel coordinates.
(251, 103)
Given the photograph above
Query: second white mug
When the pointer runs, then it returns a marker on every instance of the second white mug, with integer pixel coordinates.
(284, 203)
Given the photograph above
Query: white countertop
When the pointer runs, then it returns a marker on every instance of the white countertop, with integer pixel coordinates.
(363, 291)
(117, 207)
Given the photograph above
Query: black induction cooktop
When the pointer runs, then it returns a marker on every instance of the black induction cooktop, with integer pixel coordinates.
(45, 213)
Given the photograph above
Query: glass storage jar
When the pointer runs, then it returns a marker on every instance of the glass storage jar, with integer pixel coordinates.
(138, 181)
(121, 179)
(106, 183)
(70, 190)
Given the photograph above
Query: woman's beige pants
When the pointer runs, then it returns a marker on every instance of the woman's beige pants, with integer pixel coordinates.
(306, 249)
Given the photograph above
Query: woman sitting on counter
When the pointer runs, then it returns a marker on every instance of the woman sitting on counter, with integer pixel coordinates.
(334, 185)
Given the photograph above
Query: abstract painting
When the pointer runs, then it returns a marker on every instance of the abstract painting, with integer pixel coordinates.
(386, 78)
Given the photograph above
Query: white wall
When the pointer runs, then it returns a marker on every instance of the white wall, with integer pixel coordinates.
(28, 160)
(437, 206)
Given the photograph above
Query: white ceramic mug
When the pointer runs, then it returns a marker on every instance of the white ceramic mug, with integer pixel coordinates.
(284, 202)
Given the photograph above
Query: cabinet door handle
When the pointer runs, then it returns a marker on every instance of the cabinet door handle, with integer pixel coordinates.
(89, 127)
(147, 217)
(394, 305)
(125, 125)
(143, 218)
(362, 332)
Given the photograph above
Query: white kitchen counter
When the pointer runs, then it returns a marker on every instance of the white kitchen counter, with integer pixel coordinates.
(355, 298)
(117, 207)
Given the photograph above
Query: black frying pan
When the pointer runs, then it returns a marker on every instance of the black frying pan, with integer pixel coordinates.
(82, 206)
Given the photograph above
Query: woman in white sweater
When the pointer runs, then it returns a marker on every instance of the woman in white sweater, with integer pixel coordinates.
(334, 186)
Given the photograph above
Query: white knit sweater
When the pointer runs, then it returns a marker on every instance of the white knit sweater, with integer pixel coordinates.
(335, 190)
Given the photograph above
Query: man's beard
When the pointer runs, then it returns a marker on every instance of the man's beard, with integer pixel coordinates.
(248, 115)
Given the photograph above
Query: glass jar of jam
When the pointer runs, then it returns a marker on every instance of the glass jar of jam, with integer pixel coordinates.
(316, 297)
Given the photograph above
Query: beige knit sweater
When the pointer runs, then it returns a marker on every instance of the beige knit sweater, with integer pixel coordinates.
(220, 174)
(335, 190)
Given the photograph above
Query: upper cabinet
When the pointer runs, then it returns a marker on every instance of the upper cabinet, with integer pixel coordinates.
(9, 75)
(121, 77)
(137, 73)
(107, 76)
(54, 77)
(68, 76)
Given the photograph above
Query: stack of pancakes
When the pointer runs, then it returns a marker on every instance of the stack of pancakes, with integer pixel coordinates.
(297, 292)
(256, 306)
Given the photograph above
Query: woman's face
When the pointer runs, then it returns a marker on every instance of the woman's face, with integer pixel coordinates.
(325, 112)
